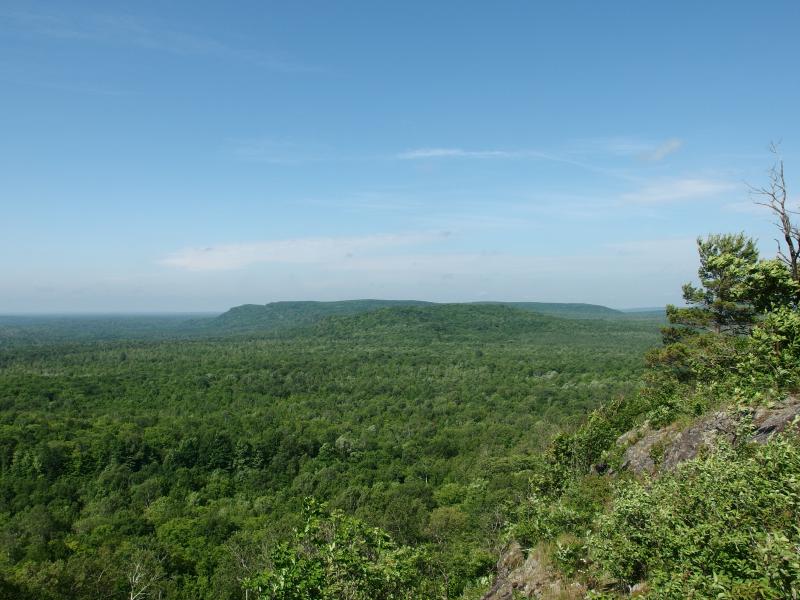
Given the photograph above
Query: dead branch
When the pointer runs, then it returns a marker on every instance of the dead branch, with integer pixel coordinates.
(775, 196)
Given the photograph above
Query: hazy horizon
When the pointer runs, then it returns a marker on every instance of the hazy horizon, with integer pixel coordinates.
(189, 157)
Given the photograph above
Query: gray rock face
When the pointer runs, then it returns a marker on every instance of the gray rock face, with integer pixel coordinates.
(663, 450)
(512, 558)
(704, 434)
(769, 422)
(527, 577)
(639, 457)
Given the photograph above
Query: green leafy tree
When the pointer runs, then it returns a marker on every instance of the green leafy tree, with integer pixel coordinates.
(770, 285)
(775, 350)
(334, 556)
(722, 302)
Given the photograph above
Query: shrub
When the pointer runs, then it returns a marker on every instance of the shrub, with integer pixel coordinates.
(724, 526)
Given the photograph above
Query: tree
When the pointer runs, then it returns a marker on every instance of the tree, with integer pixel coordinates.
(774, 196)
(770, 285)
(334, 556)
(145, 570)
(722, 302)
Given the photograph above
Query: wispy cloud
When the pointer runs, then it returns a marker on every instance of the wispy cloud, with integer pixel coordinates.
(323, 250)
(661, 151)
(283, 152)
(630, 273)
(411, 253)
(128, 30)
(442, 153)
(618, 258)
(677, 190)
(642, 149)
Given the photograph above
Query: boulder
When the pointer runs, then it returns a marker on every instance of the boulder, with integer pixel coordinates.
(519, 576)
(639, 457)
(769, 422)
(703, 435)
(664, 449)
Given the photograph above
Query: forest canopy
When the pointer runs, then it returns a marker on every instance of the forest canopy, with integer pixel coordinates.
(192, 456)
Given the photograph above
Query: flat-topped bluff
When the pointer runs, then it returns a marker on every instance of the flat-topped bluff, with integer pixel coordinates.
(280, 315)
(283, 315)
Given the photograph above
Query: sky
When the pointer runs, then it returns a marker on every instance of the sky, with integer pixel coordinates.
(193, 156)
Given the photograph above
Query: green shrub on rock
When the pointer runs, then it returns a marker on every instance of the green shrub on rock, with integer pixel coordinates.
(724, 526)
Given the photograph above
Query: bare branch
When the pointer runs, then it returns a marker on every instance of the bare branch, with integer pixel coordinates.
(145, 571)
(774, 196)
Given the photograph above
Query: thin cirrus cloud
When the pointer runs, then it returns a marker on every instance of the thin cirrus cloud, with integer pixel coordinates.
(322, 250)
(663, 150)
(643, 149)
(441, 153)
(677, 190)
(131, 31)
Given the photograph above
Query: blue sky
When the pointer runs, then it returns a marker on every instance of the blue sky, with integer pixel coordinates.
(190, 156)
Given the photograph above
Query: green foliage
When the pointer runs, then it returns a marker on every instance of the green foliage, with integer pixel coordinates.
(774, 351)
(727, 522)
(722, 302)
(285, 316)
(569, 310)
(570, 555)
(770, 286)
(735, 288)
(722, 526)
(332, 556)
(277, 316)
(544, 518)
(41, 331)
(424, 422)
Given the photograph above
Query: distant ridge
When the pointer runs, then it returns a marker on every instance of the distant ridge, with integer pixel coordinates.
(284, 315)
(278, 316)
(480, 322)
(574, 310)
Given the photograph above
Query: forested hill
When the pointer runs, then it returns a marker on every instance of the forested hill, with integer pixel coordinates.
(277, 316)
(464, 322)
(571, 310)
(285, 315)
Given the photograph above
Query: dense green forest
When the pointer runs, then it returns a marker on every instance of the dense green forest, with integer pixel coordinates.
(194, 455)
(288, 315)
(399, 450)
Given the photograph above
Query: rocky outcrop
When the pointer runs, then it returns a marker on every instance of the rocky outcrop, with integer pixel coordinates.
(649, 451)
(769, 422)
(528, 577)
(644, 447)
